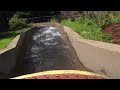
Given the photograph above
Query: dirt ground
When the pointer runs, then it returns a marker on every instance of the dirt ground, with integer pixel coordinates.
(114, 29)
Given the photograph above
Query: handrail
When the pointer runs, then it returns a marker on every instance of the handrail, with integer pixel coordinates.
(41, 16)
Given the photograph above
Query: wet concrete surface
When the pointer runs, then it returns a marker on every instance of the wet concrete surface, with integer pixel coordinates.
(48, 49)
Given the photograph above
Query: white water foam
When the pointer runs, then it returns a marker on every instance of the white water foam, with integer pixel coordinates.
(36, 36)
(50, 34)
(53, 31)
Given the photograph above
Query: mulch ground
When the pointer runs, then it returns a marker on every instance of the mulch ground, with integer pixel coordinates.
(114, 30)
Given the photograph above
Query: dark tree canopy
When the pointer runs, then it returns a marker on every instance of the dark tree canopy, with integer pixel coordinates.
(4, 18)
(6, 15)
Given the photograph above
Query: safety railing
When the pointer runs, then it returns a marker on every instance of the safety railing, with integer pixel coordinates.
(40, 19)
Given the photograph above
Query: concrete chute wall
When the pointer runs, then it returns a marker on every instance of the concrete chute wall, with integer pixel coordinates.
(8, 56)
(100, 57)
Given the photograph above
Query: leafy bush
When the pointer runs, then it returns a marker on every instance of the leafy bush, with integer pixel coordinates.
(17, 23)
(7, 37)
(89, 24)
(54, 19)
(87, 29)
(102, 18)
(22, 14)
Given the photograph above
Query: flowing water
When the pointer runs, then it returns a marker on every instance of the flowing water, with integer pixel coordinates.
(48, 50)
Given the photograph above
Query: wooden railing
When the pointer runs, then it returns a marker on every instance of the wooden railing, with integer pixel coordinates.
(40, 19)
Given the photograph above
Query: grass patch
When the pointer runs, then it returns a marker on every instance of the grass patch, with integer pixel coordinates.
(4, 42)
(89, 24)
(7, 37)
(88, 29)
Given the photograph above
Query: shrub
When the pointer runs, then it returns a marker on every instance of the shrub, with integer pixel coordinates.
(17, 23)
(54, 19)
(89, 24)
(87, 29)
(22, 14)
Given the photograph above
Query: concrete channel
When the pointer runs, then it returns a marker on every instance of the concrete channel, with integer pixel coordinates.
(52, 46)
(44, 47)
(47, 48)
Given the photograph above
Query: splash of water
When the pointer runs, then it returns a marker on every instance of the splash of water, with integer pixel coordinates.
(49, 34)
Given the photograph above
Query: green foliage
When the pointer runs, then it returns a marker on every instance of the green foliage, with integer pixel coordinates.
(115, 17)
(102, 18)
(22, 14)
(87, 29)
(4, 42)
(7, 37)
(53, 19)
(17, 23)
(89, 24)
